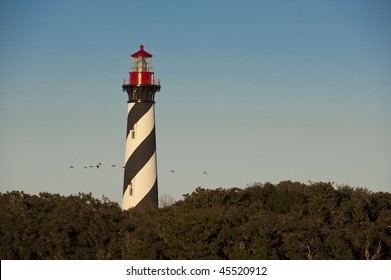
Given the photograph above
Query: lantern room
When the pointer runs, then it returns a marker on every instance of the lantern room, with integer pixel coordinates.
(141, 72)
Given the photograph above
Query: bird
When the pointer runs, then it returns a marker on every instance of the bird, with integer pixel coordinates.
(113, 165)
(172, 171)
(205, 173)
(98, 165)
(71, 166)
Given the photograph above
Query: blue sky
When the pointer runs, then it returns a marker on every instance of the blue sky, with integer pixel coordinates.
(252, 91)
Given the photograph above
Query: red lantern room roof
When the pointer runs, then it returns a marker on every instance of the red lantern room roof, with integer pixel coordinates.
(141, 52)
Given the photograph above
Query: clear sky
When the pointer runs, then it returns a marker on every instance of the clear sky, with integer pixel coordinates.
(252, 91)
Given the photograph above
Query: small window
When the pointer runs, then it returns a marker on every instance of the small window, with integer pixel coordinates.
(131, 188)
(133, 132)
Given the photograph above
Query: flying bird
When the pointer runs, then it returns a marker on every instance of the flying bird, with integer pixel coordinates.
(172, 171)
(205, 173)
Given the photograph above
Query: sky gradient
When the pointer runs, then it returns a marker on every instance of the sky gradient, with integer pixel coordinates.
(252, 91)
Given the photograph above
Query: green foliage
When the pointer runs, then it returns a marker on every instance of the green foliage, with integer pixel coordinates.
(289, 220)
(50, 226)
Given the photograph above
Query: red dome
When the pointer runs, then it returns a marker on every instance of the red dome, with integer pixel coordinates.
(141, 52)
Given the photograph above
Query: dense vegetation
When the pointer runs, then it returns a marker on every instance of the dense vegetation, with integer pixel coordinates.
(289, 220)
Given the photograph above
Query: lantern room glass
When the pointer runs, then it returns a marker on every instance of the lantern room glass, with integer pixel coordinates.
(141, 64)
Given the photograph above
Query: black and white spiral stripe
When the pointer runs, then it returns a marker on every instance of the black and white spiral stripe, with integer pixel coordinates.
(140, 177)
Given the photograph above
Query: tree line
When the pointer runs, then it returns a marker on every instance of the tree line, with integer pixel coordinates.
(288, 220)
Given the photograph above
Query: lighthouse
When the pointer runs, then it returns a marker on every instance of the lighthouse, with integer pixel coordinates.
(140, 174)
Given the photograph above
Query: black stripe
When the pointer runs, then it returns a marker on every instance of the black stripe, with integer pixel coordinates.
(139, 158)
(150, 199)
(136, 113)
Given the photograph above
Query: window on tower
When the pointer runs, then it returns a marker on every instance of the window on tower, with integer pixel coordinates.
(134, 64)
(133, 132)
(131, 188)
(142, 64)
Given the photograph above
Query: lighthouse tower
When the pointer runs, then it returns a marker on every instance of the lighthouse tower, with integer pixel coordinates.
(140, 177)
